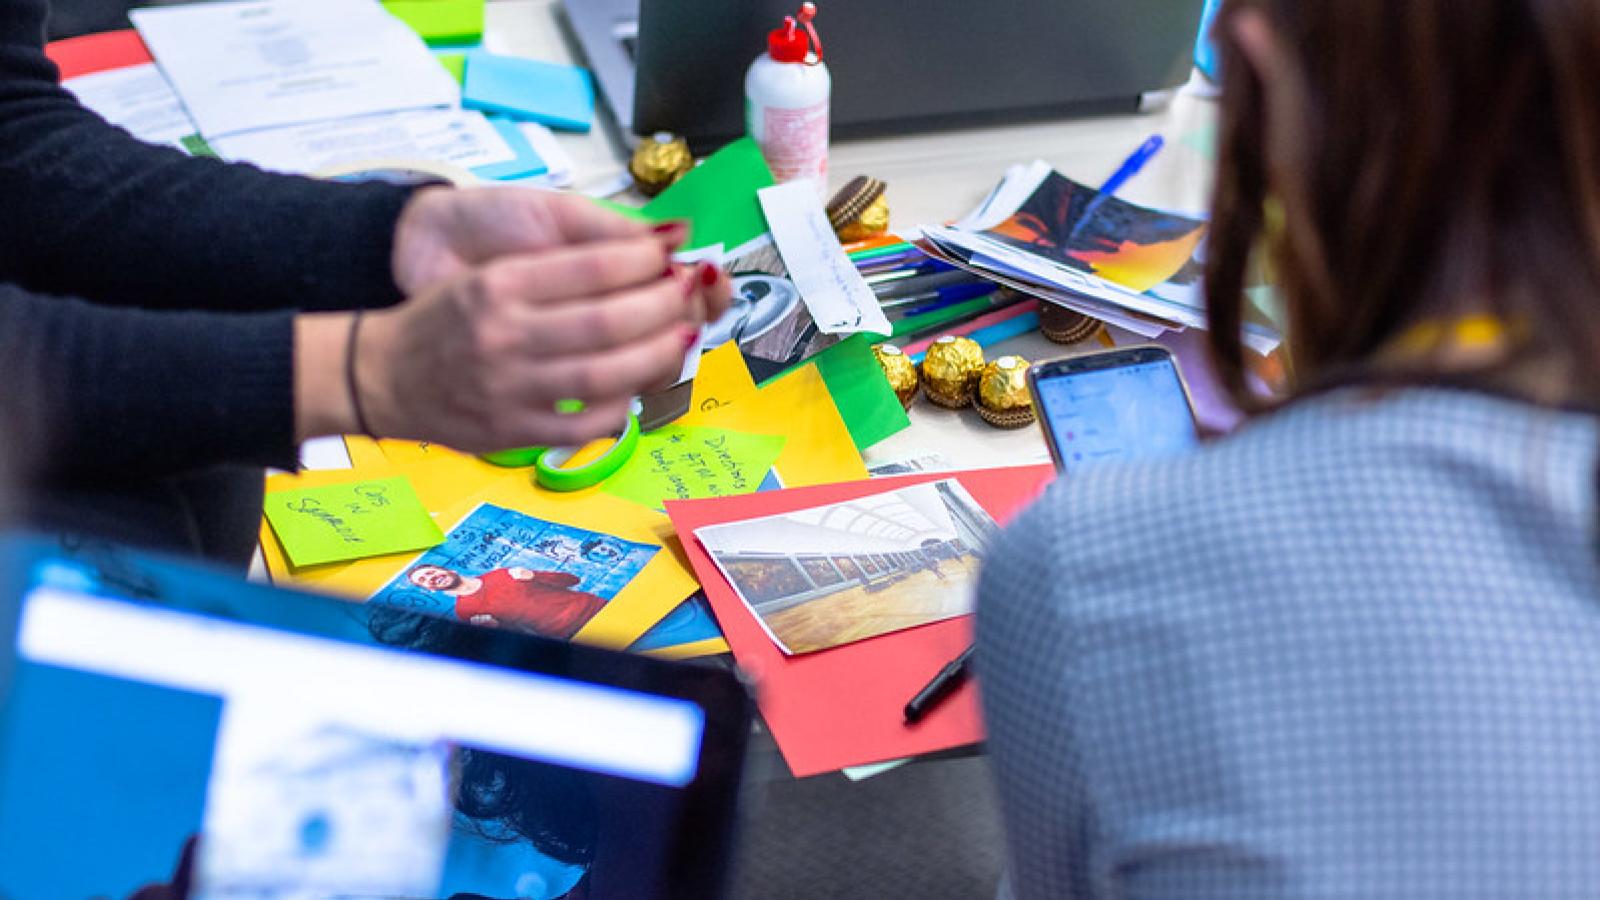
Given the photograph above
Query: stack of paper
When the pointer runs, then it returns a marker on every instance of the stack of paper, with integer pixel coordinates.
(310, 86)
(1046, 235)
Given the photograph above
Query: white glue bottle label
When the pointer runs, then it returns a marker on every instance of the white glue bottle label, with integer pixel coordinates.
(786, 101)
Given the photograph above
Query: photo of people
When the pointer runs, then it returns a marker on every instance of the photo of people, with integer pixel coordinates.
(836, 574)
(504, 569)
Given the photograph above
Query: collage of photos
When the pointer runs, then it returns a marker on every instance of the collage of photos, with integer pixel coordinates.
(506, 569)
(832, 575)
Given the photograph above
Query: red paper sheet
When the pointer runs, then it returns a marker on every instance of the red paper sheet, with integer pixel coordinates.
(97, 53)
(843, 707)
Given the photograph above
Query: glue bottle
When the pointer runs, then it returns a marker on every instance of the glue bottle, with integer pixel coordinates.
(786, 101)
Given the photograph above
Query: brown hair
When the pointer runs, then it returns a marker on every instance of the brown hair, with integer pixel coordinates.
(1440, 157)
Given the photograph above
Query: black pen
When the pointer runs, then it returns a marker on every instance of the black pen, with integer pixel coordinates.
(942, 685)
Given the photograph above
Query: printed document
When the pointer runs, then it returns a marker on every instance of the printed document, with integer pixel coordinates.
(245, 65)
(138, 99)
(462, 138)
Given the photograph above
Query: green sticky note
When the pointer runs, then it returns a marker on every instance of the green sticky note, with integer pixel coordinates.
(355, 520)
(441, 22)
(681, 462)
(869, 407)
(455, 64)
(718, 197)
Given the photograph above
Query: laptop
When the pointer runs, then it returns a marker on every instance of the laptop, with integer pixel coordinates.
(319, 748)
(679, 65)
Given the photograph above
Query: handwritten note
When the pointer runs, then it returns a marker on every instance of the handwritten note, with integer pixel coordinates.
(681, 462)
(355, 520)
(840, 300)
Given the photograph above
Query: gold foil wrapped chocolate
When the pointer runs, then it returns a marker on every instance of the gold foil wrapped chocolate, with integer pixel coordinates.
(1065, 326)
(860, 210)
(874, 221)
(950, 371)
(1003, 398)
(900, 370)
(659, 161)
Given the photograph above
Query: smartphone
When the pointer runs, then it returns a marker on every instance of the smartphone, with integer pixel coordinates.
(1128, 403)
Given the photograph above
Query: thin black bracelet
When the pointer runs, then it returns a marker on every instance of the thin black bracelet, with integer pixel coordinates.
(350, 376)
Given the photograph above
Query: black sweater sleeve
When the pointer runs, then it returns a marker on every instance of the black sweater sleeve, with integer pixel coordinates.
(86, 210)
(104, 393)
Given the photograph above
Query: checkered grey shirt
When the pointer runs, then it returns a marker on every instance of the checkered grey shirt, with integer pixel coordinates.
(1352, 651)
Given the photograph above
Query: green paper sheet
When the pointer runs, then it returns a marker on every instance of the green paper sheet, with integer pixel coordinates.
(441, 22)
(867, 404)
(680, 462)
(455, 64)
(718, 197)
(354, 520)
(632, 212)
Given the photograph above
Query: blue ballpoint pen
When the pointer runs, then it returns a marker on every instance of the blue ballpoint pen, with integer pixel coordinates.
(1129, 168)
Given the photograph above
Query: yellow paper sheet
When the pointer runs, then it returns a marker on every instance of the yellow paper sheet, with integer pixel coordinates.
(364, 451)
(708, 647)
(818, 449)
(722, 380)
(664, 583)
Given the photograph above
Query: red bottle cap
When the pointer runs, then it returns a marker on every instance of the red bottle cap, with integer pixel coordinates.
(789, 44)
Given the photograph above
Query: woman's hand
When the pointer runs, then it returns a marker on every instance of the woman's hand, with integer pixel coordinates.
(519, 302)
(444, 232)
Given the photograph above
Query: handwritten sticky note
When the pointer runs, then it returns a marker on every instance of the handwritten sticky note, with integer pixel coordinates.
(681, 462)
(718, 197)
(354, 520)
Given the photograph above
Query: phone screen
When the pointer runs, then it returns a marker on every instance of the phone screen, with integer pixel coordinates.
(1137, 411)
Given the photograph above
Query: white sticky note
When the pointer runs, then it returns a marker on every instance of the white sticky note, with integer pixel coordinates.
(840, 300)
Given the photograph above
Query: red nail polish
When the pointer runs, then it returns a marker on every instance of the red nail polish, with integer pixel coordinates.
(671, 271)
(708, 274)
(666, 228)
(690, 335)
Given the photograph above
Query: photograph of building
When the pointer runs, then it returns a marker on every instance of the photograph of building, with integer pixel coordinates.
(831, 575)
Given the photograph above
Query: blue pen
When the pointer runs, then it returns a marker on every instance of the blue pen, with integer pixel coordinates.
(922, 284)
(1129, 168)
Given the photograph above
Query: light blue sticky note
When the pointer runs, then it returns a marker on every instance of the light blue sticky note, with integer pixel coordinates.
(554, 95)
(527, 162)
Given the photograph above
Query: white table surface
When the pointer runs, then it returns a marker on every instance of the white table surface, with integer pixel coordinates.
(932, 178)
